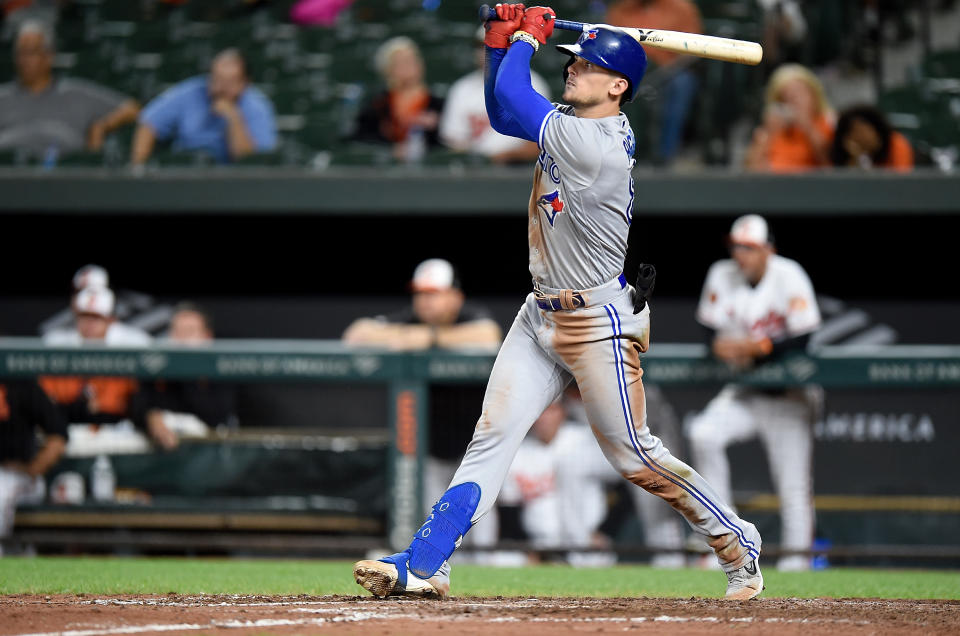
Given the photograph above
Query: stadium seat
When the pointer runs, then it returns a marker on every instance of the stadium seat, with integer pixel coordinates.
(943, 64)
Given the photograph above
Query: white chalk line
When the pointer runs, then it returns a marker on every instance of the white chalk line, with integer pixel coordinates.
(346, 614)
(173, 627)
(200, 602)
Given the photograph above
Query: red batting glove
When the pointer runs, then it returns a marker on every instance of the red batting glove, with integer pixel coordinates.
(535, 23)
(506, 24)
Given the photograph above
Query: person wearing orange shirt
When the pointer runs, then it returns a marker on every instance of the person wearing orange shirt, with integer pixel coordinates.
(680, 89)
(865, 139)
(797, 126)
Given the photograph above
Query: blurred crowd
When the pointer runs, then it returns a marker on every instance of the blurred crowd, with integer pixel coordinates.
(788, 125)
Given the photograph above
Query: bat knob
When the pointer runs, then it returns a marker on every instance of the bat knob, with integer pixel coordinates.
(488, 13)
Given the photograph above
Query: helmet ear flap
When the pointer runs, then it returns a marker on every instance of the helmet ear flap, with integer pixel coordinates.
(566, 68)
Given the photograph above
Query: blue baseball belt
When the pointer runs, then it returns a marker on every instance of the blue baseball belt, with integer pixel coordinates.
(564, 299)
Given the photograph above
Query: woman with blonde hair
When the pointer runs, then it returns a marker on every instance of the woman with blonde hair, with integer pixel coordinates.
(405, 113)
(798, 124)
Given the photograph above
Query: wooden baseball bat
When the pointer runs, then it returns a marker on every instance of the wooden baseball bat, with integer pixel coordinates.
(708, 46)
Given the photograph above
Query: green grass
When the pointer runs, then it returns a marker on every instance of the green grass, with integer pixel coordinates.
(61, 575)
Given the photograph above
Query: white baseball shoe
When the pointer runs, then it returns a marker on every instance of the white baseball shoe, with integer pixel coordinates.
(745, 583)
(385, 578)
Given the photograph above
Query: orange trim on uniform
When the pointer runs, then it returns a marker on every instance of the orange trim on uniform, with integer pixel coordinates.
(112, 394)
(4, 406)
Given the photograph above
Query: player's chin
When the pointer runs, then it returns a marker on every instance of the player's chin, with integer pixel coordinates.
(569, 94)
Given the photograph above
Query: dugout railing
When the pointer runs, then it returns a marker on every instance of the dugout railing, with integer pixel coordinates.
(407, 376)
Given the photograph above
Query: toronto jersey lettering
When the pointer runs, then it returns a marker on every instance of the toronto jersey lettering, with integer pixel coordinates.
(581, 204)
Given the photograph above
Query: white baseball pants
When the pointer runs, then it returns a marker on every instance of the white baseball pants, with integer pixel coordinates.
(784, 425)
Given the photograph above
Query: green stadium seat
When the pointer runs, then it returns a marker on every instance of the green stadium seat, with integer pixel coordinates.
(186, 158)
(360, 154)
(150, 37)
(262, 159)
(907, 99)
(9, 157)
(942, 64)
(121, 10)
(738, 10)
(81, 159)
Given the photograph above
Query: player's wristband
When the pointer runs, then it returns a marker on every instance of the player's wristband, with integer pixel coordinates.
(526, 37)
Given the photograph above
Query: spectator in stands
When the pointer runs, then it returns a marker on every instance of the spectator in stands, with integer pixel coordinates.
(24, 408)
(46, 116)
(440, 317)
(318, 12)
(465, 127)
(97, 399)
(797, 126)
(221, 114)
(784, 29)
(865, 139)
(679, 88)
(166, 409)
(405, 114)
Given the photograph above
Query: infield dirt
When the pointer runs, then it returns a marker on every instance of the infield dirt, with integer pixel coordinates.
(82, 615)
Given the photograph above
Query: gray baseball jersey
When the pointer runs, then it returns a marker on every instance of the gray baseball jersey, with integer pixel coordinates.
(582, 200)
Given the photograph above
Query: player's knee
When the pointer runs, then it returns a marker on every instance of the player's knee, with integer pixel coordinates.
(652, 482)
(490, 428)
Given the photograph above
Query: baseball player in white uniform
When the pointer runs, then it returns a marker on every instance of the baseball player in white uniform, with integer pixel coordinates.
(465, 127)
(759, 305)
(582, 321)
(558, 475)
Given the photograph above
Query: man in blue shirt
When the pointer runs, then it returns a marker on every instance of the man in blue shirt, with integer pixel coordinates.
(221, 114)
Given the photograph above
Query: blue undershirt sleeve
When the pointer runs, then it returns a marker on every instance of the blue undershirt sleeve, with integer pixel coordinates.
(500, 119)
(513, 107)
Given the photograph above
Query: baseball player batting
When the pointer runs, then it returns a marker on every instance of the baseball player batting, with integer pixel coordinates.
(581, 322)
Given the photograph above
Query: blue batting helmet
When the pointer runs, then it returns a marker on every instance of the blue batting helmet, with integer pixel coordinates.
(612, 49)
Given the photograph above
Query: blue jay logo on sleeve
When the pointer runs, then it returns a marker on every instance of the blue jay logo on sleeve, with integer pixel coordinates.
(629, 143)
(551, 205)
